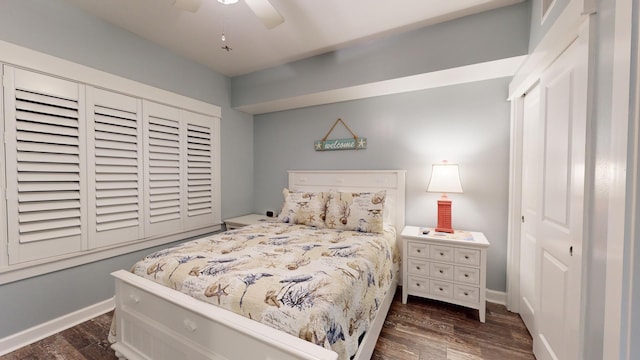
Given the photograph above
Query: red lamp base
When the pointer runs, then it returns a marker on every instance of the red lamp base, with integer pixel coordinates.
(444, 216)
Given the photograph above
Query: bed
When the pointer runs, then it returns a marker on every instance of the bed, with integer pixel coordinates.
(156, 321)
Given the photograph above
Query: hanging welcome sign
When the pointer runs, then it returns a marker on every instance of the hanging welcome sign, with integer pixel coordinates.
(355, 143)
(341, 144)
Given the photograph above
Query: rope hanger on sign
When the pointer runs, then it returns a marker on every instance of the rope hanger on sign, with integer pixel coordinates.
(356, 143)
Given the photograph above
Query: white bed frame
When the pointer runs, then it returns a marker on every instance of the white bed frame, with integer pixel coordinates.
(155, 322)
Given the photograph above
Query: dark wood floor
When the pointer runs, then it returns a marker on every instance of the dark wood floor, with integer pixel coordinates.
(431, 330)
(422, 329)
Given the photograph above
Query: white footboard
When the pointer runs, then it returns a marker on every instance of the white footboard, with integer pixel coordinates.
(155, 322)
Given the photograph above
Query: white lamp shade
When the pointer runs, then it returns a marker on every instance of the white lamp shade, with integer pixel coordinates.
(445, 178)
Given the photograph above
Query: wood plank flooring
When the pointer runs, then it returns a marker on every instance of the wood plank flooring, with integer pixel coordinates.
(431, 330)
(421, 330)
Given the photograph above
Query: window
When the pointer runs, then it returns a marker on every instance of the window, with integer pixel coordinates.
(93, 172)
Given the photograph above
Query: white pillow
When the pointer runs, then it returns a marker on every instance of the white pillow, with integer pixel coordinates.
(304, 207)
(356, 211)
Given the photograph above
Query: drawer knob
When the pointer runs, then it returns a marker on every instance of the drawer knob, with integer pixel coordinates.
(417, 267)
(418, 284)
(441, 254)
(466, 257)
(440, 289)
(466, 275)
(418, 250)
(466, 293)
(441, 271)
(190, 325)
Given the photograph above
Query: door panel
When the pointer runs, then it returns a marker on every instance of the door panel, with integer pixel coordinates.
(531, 178)
(563, 100)
(553, 301)
(557, 154)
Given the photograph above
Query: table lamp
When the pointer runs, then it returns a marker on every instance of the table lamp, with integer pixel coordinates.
(445, 178)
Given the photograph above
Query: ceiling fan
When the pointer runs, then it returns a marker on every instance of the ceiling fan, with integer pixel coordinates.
(263, 9)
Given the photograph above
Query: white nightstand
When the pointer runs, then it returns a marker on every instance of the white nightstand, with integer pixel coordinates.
(245, 220)
(445, 267)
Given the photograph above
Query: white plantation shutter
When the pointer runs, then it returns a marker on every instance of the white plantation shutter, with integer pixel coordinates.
(45, 166)
(163, 167)
(115, 168)
(200, 177)
(89, 171)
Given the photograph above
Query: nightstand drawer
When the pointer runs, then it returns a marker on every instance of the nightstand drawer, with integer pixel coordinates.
(441, 271)
(417, 249)
(467, 256)
(466, 293)
(441, 288)
(441, 253)
(418, 285)
(467, 275)
(418, 267)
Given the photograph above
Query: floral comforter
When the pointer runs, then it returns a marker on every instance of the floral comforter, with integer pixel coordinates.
(321, 285)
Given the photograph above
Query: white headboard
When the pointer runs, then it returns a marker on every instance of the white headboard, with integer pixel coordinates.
(357, 181)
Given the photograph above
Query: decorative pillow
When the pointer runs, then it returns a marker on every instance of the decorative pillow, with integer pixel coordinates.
(356, 211)
(306, 208)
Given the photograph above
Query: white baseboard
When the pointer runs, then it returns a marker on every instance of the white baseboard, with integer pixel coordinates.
(39, 332)
(497, 297)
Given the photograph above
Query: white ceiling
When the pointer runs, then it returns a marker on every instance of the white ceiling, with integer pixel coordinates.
(311, 27)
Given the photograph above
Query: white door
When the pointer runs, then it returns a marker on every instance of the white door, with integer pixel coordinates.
(563, 99)
(531, 154)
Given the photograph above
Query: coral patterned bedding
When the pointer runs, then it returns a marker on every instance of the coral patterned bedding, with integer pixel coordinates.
(322, 285)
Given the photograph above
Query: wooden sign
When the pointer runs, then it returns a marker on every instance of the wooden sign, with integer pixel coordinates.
(355, 143)
(341, 144)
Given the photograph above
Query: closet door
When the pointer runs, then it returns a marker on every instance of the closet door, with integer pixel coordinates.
(531, 179)
(560, 232)
(163, 168)
(44, 136)
(200, 155)
(115, 167)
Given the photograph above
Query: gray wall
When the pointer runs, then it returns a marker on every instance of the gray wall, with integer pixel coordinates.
(56, 28)
(467, 124)
(492, 35)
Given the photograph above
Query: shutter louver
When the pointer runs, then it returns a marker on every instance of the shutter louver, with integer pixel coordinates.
(44, 166)
(199, 170)
(163, 161)
(164, 169)
(199, 176)
(116, 161)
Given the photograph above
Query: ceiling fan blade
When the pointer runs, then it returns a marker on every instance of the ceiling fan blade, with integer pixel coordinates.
(188, 5)
(268, 14)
